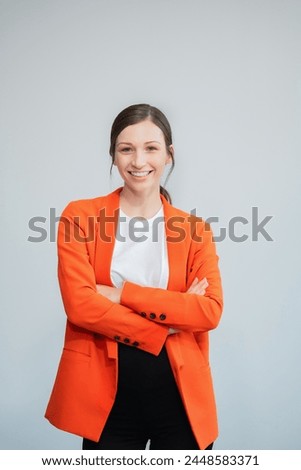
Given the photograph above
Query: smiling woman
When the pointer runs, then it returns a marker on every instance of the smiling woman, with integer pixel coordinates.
(143, 134)
(135, 364)
(141, 163)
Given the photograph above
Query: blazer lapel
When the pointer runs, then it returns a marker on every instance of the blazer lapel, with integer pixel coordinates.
(107, 220)
(177, 256)
(106, 225)
(175, 237)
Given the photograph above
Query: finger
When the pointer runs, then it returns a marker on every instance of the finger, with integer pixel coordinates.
(197, 290)
(196, 285)
(201, 285)
(201, 288)
(193, 284)
(204, 282)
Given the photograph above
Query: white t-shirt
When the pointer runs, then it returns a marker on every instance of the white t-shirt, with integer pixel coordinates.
(140, 251)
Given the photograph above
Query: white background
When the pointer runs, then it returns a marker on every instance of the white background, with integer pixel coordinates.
(227, 75)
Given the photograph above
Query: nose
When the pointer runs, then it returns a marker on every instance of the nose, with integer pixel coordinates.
(139, 159)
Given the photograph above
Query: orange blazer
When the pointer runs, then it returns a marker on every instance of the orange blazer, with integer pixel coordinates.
(86, 382)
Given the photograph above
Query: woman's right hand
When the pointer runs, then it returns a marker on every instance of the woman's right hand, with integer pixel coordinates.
(197, 287)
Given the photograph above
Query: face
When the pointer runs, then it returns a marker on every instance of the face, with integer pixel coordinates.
(141, 155)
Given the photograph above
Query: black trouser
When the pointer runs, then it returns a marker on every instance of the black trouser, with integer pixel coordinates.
(147, 406)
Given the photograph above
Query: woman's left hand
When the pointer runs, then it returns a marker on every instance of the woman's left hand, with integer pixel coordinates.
(112, 293)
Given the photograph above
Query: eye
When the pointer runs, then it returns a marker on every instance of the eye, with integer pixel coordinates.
(150, 147)
(126, 149)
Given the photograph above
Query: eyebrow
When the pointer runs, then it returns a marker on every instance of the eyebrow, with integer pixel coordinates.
(149, 142)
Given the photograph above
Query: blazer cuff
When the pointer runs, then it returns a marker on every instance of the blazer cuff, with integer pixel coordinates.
(132, 295)
(142, 300)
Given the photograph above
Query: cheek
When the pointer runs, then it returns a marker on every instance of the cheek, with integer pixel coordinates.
(162, 165)
(119, 163)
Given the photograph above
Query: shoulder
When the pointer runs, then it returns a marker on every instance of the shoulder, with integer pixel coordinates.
(184, 217)
(179, 222)
(83, 206)
(87, 207)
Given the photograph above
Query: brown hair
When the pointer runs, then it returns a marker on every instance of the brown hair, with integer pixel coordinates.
(138, 113)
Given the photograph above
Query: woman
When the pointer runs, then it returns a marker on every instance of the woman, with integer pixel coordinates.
(135, 362)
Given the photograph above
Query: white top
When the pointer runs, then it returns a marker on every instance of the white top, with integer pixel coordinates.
(140, 251)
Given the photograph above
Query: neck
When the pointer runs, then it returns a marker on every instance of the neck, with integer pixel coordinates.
(140, 203)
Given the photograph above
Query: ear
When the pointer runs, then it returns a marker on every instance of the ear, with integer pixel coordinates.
(169, 158)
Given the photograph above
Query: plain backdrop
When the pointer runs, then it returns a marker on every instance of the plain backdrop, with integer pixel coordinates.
(227, 75)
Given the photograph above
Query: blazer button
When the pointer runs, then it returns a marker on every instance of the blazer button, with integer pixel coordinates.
(126, 340)
(135, 343)
(152, 315)
(117, 338)
(162, 316)
(143, 314)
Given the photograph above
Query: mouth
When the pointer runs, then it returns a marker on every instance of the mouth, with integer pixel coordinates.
(140, 174)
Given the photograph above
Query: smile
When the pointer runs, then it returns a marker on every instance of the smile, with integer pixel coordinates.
(140, 174)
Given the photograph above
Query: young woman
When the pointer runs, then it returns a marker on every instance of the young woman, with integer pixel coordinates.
(141, 288)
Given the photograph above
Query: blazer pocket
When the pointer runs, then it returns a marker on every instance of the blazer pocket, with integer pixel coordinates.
(202, 361)
(75, 355)
(189, 351)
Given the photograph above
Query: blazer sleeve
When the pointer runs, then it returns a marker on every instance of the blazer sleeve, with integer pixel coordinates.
(84, 306)
(181, 310)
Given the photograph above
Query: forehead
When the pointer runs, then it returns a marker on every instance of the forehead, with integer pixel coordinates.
(142, 132)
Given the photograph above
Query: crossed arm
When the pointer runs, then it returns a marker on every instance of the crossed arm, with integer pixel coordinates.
(135, 311)
(114, 293)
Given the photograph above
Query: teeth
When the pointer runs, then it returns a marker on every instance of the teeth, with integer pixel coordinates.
(139, 173)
